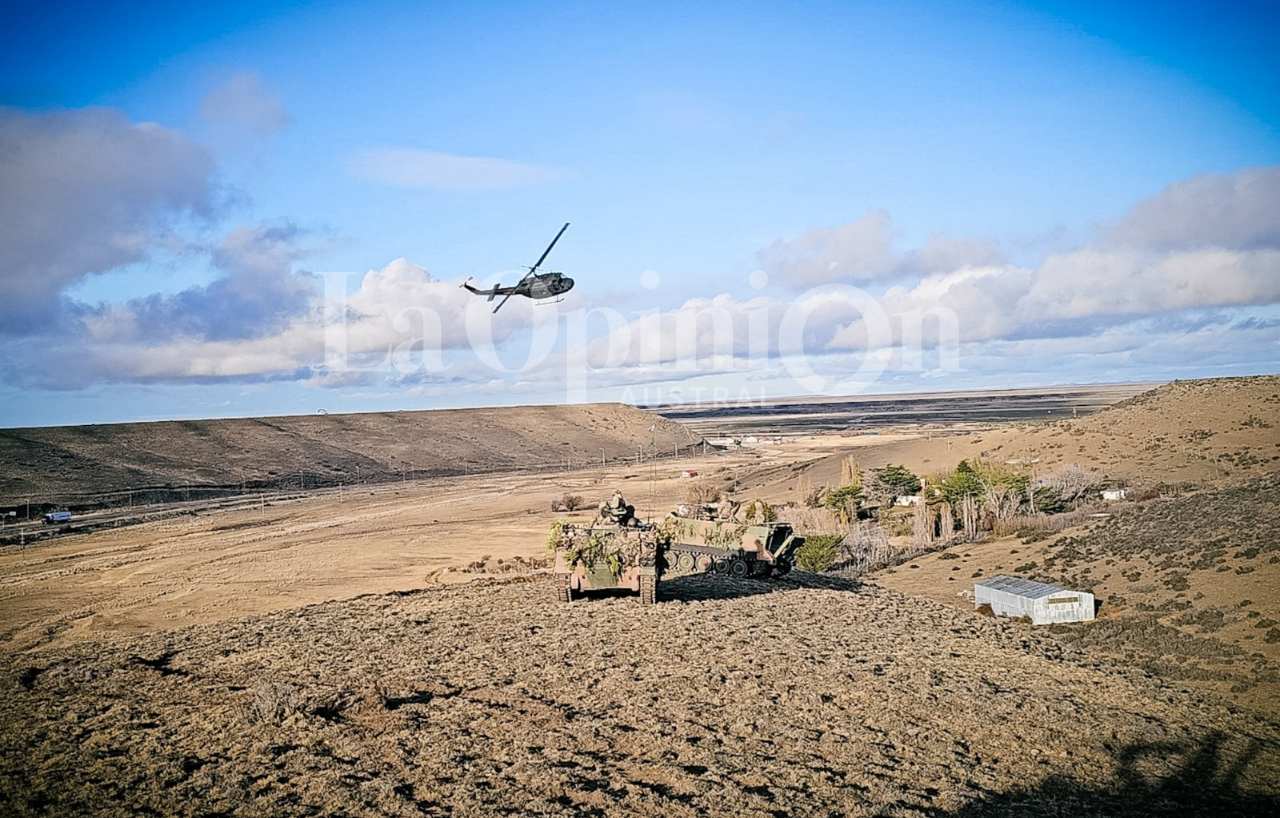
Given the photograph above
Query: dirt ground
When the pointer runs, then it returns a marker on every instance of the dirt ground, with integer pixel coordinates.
(335, 545)
(1187, 586)
(319, 656)
(209, 567)
(795, 697)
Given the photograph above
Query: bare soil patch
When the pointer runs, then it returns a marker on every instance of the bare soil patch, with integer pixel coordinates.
(795, 697)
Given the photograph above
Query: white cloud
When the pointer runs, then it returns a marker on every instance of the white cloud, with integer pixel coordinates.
(857, 252)
(272, 324)
(409, 167)
(83, 192)
(1239, 210)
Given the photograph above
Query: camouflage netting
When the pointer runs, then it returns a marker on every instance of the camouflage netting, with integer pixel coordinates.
(595, 547)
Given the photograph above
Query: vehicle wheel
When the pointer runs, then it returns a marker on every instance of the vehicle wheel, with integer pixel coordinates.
(722, 566)
(685, 562)
(704, 563)
(648, 590)
(781, 568)
(738, 569)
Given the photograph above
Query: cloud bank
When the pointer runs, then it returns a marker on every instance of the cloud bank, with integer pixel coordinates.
(84, 192)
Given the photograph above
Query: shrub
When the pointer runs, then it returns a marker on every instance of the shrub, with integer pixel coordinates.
(273, 702)
(811, 520)
(818, 553)
(571, 502)
(1071, 482)
(701, 491)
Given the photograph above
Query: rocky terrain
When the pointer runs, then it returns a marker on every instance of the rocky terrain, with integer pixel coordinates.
(798, 697)
(176, 460)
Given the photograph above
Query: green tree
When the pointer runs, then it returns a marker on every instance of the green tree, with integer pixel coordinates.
(818, 553)
(961, 483)
(897, 480)
(845, 502)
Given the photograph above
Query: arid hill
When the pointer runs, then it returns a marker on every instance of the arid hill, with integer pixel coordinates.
(83, 463)
(1196, 432)
(1193, 431)
(1187, 585)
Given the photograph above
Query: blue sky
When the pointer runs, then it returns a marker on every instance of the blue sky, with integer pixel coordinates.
(1088, 188)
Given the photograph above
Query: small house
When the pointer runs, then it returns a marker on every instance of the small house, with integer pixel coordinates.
(1044, 604)
(1113, 495)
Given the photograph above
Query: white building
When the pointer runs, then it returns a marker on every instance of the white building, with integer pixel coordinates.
(1113, 495)
(1043, 603)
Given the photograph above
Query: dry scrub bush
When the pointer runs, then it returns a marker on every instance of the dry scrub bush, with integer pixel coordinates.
(569, 502)
(273, 702)
(863, 549)
(1072, 483)
(701, 491)
(1033, 525)
(808, 521)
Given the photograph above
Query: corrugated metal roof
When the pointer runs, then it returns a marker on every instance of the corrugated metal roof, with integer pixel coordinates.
(1022, 587)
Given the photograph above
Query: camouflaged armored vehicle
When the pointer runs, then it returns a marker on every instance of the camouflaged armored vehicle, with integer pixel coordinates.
(598, 558)
(729, 547)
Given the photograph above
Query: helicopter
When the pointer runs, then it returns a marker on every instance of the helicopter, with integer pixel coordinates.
(534, 284)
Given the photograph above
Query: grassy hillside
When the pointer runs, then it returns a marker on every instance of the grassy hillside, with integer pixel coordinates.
(78, 463)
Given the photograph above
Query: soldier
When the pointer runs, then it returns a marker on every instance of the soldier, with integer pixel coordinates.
(616, 510)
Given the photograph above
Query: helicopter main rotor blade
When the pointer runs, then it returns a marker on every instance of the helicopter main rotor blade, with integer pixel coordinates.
(533, 270)
(549, 246)
(503, 301)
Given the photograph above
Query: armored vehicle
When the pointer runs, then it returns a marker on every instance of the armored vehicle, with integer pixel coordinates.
(730, 547)
(596, 558)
